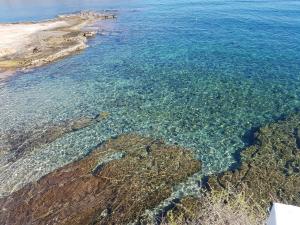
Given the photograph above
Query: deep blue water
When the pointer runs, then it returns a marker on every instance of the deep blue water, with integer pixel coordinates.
(197, 73)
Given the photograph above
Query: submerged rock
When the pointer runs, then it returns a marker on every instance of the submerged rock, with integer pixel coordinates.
(269, 172)
(18, 142)
(115, 184)
(270, 169)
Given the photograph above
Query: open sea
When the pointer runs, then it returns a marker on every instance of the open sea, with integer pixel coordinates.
(198, 73)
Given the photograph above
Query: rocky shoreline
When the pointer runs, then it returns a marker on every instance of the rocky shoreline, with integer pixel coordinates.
(269, 172)
(130, 174)
(32, 44)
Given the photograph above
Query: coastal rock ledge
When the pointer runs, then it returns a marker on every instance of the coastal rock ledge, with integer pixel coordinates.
(115, 184)
(32, 44)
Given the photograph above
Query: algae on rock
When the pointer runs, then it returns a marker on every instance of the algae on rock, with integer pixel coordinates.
(269, 172)
(270, 169)
(104, 187)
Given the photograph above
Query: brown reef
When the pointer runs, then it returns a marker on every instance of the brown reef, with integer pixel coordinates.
(269, 172)
(129, 174)
(115, 184)
(270, 169)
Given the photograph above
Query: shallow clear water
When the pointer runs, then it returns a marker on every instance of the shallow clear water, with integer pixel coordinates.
(196, 73)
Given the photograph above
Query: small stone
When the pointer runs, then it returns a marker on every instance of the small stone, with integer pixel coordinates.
(89, 34)
(35, 50)
(104, 213)
(102, 116)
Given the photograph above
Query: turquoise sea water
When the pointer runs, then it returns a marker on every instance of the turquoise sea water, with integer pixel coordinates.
(200, 74)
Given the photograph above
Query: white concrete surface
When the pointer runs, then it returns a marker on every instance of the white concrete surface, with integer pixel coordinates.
(282, 214)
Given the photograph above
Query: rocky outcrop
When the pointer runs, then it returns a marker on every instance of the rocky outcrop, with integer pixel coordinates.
(269, 172)
(115, 184)
(129, 174)
(35, 44)
(270, 169)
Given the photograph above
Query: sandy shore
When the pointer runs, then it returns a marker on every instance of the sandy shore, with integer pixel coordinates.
(32, 44)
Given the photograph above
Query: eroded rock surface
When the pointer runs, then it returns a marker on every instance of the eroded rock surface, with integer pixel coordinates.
(31, 44)
(115, 184)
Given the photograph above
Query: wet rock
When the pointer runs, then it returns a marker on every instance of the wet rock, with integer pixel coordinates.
(109, 14)
(269, 171)
(270, 168)
(89, 34)
(102, 116)
(80, 123)
(125, 186)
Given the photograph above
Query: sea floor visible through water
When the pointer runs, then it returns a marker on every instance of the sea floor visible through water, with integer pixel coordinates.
(199, 74)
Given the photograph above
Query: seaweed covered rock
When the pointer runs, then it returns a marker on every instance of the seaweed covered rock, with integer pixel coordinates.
(115, 184)
(218, 208)
(270, 169)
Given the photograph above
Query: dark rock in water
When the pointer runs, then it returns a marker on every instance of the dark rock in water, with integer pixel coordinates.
(269, 172)
(115, 184)
(80, 123)
(270, 168)
(297, 136)
(19, 142)
(102, 116)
